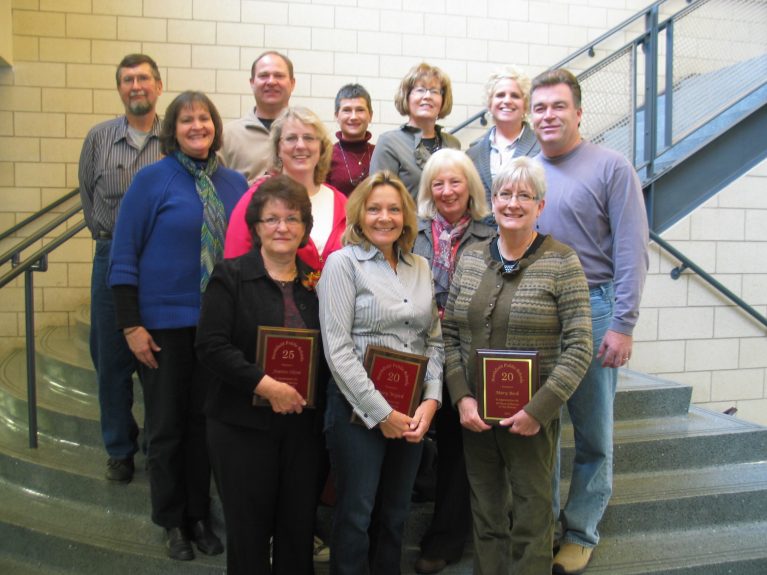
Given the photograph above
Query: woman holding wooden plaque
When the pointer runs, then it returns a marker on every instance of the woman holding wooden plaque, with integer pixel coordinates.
(264, 437)
(518, 293)
(375, 292)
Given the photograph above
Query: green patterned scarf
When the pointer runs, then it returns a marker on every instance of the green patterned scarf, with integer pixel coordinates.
(213, 230)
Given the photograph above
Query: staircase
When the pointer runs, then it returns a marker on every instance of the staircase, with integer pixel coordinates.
(690, 484)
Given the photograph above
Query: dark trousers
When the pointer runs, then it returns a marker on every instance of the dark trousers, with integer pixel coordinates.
(114, 363)
(267, 482)
(364, 464)
(451, 523)
(177, 454)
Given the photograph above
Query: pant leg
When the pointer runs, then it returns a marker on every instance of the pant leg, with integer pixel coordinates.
(177, 457)
(245, 464)
(451, 523)
(530, 461)
(301, 452)
(591, 411)
(490, 500)
(114, 363)
(400, 468)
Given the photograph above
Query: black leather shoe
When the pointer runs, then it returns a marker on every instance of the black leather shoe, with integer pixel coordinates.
(120, 470)
(178, 544)
(426, 566)
(207, 541)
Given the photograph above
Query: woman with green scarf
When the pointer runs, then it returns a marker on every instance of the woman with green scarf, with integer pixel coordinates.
(169, 234)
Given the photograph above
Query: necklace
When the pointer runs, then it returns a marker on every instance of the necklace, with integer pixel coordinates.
(286, 277)
(509, 265)
(360, 162)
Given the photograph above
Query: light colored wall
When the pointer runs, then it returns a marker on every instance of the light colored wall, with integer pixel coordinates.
(62, 83)
(688, 332)
(65, 52)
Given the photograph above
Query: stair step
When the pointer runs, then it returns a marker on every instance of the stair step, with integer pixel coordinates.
(35, 525)
(681, 499)
(68, 417)
(694, 440)
(735, 549)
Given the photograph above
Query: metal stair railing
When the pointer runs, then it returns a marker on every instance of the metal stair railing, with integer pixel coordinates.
(659, 77)
(28, 264)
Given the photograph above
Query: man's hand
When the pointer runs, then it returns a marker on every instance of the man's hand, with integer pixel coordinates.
(615, 349)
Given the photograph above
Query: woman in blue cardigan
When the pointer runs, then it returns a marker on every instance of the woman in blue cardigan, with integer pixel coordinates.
(169, 234)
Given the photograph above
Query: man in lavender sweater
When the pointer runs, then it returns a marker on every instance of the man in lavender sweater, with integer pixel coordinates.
(594, 204)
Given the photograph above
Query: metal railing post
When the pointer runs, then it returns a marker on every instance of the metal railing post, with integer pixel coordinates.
(29, 320)
(651, 90)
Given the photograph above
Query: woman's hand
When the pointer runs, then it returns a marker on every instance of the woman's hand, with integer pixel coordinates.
(421, 421)
(521, 423)
(283, 397)
(396, 425)
(470, 419)
(142, 345)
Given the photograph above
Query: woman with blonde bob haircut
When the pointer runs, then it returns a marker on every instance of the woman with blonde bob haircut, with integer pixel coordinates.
(507, 95)
(424, 95)
(308, 118)
(374, 291)
(459, 163)
(301, 150)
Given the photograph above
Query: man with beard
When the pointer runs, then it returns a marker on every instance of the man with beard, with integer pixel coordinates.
(246, 147)
(112, 153)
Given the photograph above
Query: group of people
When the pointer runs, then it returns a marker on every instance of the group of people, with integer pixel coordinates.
(206, 232)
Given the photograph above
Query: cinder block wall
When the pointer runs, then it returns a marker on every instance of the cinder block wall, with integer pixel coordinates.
(687, 332)
(62, 83)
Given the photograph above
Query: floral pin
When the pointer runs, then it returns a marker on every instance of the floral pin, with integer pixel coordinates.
(310, 280)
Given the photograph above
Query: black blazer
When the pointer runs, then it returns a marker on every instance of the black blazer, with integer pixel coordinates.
(241, 296)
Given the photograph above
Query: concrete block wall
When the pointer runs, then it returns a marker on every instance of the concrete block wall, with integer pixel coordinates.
(64, 53)
(687, 331)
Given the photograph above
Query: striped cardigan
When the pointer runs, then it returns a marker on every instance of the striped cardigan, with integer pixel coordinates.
(543, 305)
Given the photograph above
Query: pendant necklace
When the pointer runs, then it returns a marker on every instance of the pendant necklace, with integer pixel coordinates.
(360, 161)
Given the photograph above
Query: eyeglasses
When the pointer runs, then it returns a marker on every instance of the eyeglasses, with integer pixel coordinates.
(290, 221)
(522, 197)
(420, 91)
(128, 79)
(308, 139)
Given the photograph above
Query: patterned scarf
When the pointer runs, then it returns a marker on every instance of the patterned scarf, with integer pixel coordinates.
(213, 230)
(446, 238)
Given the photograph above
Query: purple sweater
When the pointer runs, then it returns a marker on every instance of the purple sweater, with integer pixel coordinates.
(594, 204)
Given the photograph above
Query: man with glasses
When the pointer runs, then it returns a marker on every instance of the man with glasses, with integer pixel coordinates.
(594, 204)
(246, 146)
(112, 153)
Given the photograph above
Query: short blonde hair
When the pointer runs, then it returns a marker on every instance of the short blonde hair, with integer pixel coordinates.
(449, 159)
(355, 211)
(420, 73)
(522, 169)
(508, 73)
(308, 118)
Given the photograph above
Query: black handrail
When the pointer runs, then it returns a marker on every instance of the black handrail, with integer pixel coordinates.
(25, 222)
(687, 263)
(39, 234)
(37, 261)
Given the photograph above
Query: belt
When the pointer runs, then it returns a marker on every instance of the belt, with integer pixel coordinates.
(102, 235)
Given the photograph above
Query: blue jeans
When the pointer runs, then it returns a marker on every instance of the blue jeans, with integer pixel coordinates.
(362, 459)
(114, 363)
(591, 411)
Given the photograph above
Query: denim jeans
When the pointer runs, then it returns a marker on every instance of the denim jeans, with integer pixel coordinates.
(362, 459)
(591, 411)
(114, 363)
